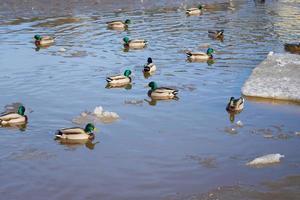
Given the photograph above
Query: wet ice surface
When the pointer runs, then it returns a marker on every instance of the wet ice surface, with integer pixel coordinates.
(276, 77)
(155, 149)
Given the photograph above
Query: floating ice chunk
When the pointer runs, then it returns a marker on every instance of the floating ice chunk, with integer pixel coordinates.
(98, 111)
(297, 133)
(98, 115)
(62, 49)
(266, 159)
(239, 123)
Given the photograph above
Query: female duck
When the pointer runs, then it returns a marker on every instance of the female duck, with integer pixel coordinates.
(194, 11)
(43, 40)
(235, 105)
(77, 133)
(11, 119)
(118, 24)
(217, 34)
(120, 80)
(149, 67)
(161, 92)
(200, 55)
(135, 44)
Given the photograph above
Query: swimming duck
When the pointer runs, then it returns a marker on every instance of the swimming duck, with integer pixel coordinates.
(149, 67)
(17, 118)
(118, 24)
(77, 133)
(194, 11)
(161, 92)
(120, 80)
(43, 40)
(217, 34)
(135, 44)
(292, 47)
(235, 105)
(200, 55)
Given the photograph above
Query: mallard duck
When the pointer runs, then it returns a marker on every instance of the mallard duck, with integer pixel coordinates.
(135, 44)
(200, 55)
(76, 133)
(120, 80)
(194, 11)
(217, 34)
(235, 105)
(43, 40)
(161, 92)
(118, 24)
(149, 67)
(18, 118)
(292, 47)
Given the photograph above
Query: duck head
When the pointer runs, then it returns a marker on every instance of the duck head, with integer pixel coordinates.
(126, 40)
(200, 7)
(210, 51)
(127, 21)
(149, 60)
(89, 128)
(127, 72)
(152, 85)
(38, 37)
(21, 110)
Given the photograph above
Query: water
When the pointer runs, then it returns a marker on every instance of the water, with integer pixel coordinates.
(170, 149)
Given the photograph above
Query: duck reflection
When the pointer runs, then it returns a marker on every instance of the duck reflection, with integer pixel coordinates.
(73, 144)
(126, 87)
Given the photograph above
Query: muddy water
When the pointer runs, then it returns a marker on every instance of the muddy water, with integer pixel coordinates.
(156, 150)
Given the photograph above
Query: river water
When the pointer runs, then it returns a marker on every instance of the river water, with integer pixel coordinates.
(156, 150)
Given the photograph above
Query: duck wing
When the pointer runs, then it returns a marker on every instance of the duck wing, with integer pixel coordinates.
(114, 78)
(9, 116)
(71, 131)
(116, 22)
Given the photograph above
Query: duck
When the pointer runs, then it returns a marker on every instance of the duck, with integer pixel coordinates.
(135, 44)
(77, 133)
(292, 47)
(118, 24)
(235, 105)
(217, 34)
(43, 40)
(149, 67)
(200, 55)
(161, 92)
(194, 11)
(14, 118)
(120, 80)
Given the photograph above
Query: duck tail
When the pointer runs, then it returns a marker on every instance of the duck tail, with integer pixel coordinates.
(188, 52)
(58, 134)
(108, 79)
(175, 92)
(146, 69)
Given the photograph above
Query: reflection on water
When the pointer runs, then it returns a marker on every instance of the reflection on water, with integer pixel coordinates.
(143, 155)
(78, 143)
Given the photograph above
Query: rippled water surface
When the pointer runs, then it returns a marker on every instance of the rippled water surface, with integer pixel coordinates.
(156, 150)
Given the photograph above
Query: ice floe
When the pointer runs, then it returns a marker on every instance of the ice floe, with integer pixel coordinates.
(266, 160)
(277, 77)
(97, 115)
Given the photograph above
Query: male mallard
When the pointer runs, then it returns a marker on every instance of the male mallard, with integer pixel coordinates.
(118, 24)
(76, 133)
(161, 92)
(235, 105)
(43, 40)
(119, 80)
(135, 44)
(217, 34)
(11, 119)
(194, 11)
(149, 67)
(200, 55)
